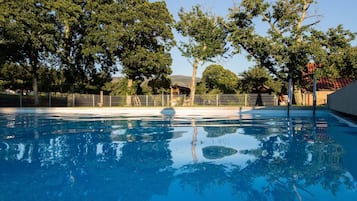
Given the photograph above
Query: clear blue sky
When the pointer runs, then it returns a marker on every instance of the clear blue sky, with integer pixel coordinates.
(333, 13)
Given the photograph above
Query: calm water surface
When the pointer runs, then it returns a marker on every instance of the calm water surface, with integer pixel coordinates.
(46, 157)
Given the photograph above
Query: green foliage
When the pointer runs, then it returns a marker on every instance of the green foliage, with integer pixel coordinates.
(258, 80)
(28, 33)
(15, 77)
(117, 88)
(206, 34)
(284, 48)
(160, 84)
(87, 35)
(201, 88)
(71, 45)
(214, 92)
(148, 38)
(87, 40)
(337, 57)
(215, 77)
(290, 40)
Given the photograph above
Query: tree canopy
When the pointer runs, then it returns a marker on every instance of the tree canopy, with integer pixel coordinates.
(148, 39)
(215, 77)
(87, 36)
(283, 49)
(290, 40)
(258, 80)
(27, 32)
(336, 55)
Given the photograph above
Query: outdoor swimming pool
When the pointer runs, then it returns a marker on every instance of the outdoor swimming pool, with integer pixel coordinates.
(257, 155)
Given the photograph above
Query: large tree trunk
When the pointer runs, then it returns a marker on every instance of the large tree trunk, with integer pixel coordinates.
(193, 82)
(34, 72)
(35, 90)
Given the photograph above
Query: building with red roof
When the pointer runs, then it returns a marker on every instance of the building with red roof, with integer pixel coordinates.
(333, 84)
(324, 86)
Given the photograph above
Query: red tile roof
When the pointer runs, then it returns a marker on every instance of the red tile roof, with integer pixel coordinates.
(332, 83)
(324, 83)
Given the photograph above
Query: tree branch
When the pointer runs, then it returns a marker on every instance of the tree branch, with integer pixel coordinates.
(272, 25)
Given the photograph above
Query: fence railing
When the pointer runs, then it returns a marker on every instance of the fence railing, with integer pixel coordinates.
(164, 100)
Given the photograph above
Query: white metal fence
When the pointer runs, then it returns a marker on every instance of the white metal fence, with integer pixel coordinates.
(92, 100)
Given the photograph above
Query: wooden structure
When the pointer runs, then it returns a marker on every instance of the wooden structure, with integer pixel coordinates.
(179, 94)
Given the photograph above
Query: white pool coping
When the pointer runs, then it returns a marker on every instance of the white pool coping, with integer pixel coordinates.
(179, 112)
(131, 111)
(157, 111)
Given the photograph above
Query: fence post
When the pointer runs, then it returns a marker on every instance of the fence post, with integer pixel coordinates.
(49, 99)
(274, 100)
(147, 100)
(168, 100)
(93, 100)
(20, 99)
(162, 99)
(110, 101)
(217, 98)
(245, 99)
(73, 100)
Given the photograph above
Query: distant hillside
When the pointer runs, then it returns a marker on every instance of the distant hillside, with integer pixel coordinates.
(181, 80)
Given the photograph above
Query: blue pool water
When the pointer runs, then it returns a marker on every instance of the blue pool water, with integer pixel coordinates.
(257, 156)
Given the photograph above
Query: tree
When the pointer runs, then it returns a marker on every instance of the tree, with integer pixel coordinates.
(79, 37)
(291, 40)
(206, 39)
(88, 35)
(218, 78)
(27, 32)
(258, 80)
(119, 87)
(15, 77)
(86, 40)
(147, 40)
(337, 56)
(285, 48)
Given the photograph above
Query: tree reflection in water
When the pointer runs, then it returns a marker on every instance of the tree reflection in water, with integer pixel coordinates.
(47, 158)
(290, 160)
